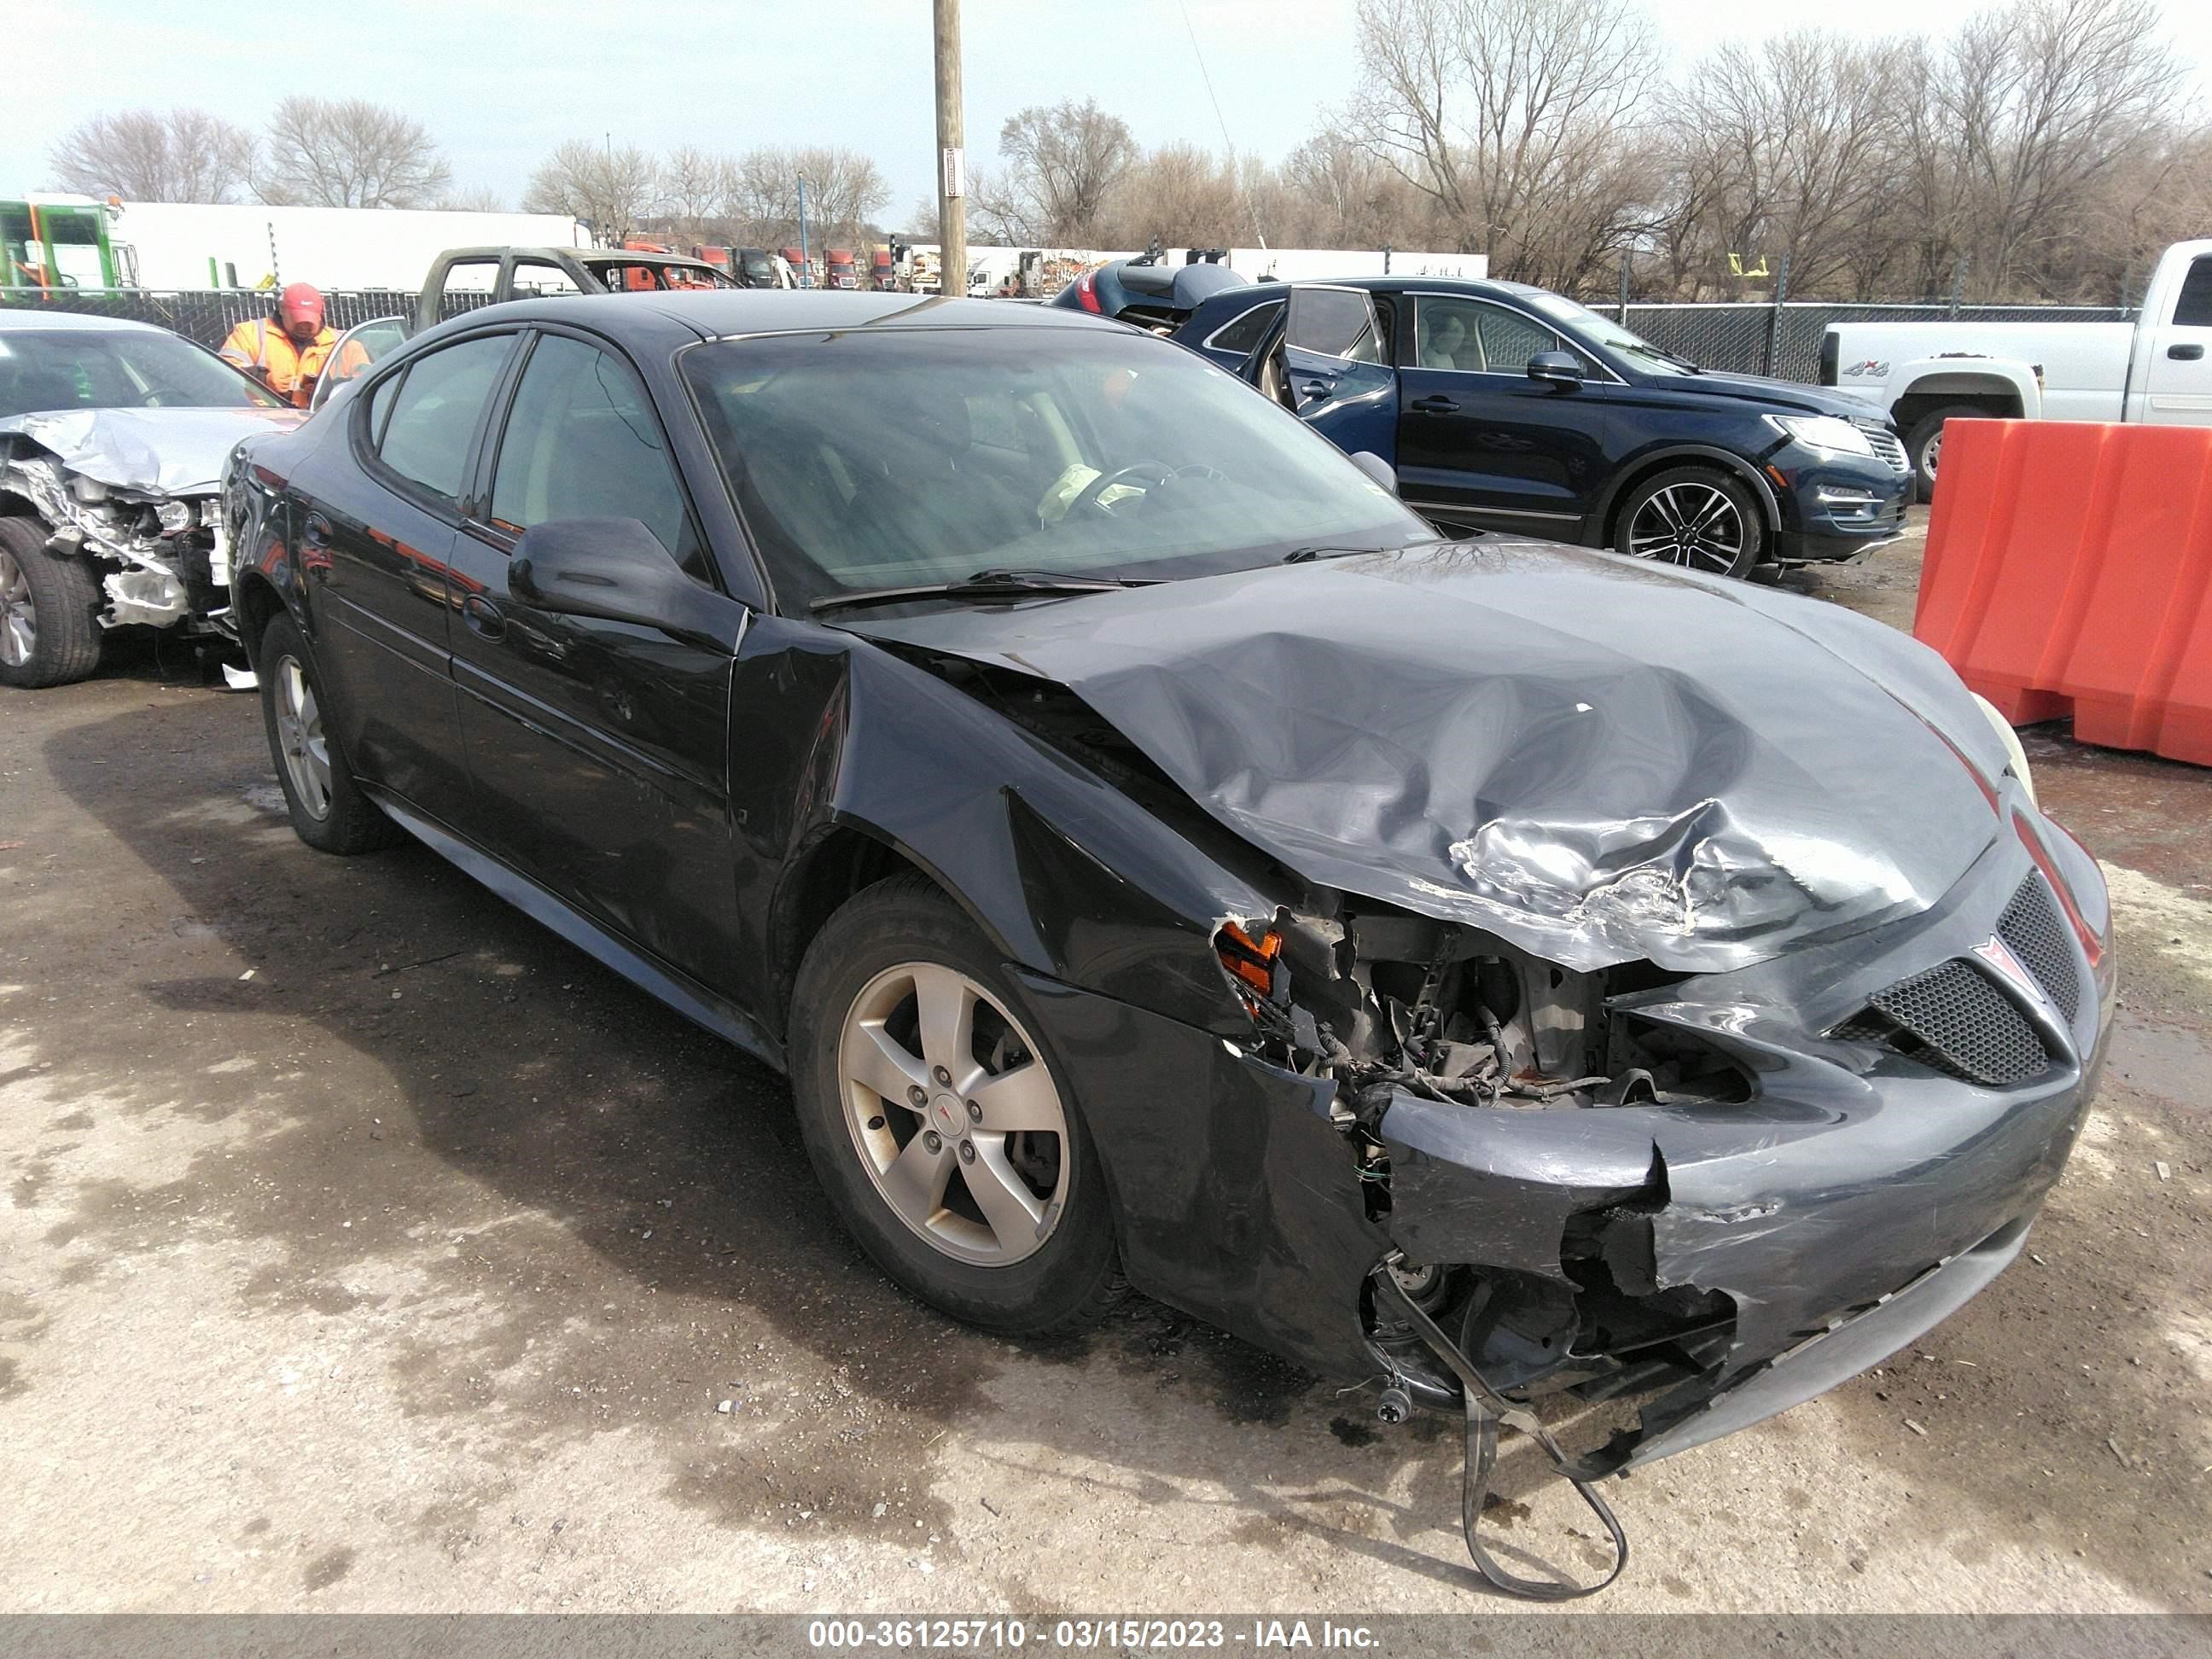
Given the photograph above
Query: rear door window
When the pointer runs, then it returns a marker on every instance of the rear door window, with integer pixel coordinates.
(1448, 333)
(434, 415)
(1336, 322)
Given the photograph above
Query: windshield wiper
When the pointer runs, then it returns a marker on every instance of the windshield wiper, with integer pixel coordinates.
(1645, 349)
(1308, 555)
(981, 584)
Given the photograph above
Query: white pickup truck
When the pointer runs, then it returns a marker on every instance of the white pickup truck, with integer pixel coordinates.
(2156, 370)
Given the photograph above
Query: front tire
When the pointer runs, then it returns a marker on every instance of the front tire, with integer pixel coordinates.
(939, 1123)
(327, 806)
(1697, 517)
(49, 611)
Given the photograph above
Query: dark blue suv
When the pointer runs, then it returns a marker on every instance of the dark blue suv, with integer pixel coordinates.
(1504, 407)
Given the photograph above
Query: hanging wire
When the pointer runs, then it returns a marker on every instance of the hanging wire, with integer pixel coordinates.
(1236, 171)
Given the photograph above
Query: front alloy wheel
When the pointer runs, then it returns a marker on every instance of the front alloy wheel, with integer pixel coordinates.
(1689, 523)
(1695, 517)
(957, 1121)
(300, 738)
(943, 1128)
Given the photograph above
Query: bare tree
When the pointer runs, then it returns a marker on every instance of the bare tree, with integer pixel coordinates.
(922, 224)
(1180, 194)
(693, 186)
(1786, 155)
(1340, 194)
(185, 156)
(845, 190)
(476, 198)
(1519, 119)
(1061, 165)
(612, 191)
(2044, 99)
(349, 153)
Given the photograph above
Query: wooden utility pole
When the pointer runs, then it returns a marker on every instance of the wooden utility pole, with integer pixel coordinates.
(952, 157)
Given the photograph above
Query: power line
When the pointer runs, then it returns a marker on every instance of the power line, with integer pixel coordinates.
(1236, 171)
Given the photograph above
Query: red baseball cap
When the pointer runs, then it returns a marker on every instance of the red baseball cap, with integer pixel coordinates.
(301, 302)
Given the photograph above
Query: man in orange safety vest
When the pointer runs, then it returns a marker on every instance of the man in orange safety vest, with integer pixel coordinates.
(286, 354)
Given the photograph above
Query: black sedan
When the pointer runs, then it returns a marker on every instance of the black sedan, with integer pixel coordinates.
(1483, 967)
(1506, 407)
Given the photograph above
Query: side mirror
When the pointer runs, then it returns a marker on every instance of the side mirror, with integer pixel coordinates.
(1377, 469)
(1558, 368)
(616, 570)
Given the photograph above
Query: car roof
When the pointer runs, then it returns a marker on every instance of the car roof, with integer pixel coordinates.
(666, 318)
(24, 318)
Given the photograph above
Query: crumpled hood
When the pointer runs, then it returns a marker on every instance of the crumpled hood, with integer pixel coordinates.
(1599, 761)
(170, 452)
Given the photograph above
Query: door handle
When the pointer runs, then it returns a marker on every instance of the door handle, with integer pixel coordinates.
(2184, 354)
(316, 531)
(485, 620)
(1434, 406)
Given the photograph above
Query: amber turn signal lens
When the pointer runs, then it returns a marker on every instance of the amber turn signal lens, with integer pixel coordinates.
(1250, 962)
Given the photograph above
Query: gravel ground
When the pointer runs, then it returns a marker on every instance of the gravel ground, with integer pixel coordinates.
(364, 1247)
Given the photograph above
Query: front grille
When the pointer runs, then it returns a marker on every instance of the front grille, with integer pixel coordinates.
(1885, 442)
(1955, 1018)
(2033, 932)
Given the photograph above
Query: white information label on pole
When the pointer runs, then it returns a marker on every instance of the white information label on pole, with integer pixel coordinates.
(956, 172)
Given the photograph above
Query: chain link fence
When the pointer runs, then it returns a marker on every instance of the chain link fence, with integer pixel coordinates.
(1784, 340)
(1737, 338)
(208, 315)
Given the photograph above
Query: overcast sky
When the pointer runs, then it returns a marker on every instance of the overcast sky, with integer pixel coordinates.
(500, 86)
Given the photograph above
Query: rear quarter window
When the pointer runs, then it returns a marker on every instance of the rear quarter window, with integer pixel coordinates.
(1243, 334)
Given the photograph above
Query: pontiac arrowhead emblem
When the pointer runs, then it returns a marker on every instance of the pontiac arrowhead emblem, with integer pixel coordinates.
(1999, 955)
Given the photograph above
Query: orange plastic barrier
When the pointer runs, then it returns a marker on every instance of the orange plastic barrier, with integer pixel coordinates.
(2069, 572)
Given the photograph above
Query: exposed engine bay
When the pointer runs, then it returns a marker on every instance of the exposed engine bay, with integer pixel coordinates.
(1391, 1006)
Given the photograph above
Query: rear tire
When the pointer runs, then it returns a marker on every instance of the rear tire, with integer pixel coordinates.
(1045, 1273)
(327, 808)
(49, 611)
(1925, 441)
(1697, 517)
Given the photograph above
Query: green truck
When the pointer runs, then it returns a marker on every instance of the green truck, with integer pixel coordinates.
(51, 244)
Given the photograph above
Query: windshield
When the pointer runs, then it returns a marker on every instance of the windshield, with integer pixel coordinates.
(865, 461)
(1603, 331)
(93, 368)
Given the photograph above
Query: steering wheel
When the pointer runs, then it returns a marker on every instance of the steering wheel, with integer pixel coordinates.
(1153, 473)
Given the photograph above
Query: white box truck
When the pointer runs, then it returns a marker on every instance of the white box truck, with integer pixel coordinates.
(2156, 370)
(179, 245)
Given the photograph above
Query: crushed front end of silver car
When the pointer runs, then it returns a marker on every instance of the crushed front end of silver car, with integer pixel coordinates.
(135, 493)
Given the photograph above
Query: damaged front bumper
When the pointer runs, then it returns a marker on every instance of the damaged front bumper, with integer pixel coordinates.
(1801, 1238)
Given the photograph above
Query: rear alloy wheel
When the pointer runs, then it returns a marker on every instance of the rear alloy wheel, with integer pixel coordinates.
(49, 609)
(1695, 517)
(940, 1126)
